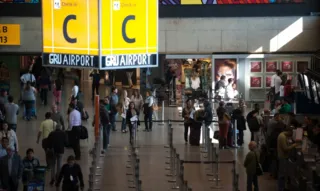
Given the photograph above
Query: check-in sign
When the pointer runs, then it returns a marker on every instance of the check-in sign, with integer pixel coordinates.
(70, 27)
(9, 34)
(129, 33)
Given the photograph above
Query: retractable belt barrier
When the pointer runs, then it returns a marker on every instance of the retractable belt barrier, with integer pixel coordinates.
(176, 165)
(96, 167)
(134, 161)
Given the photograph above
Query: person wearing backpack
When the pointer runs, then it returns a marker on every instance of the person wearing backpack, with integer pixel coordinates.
(251, 163)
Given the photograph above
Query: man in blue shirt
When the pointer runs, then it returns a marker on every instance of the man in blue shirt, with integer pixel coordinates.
(3, 147)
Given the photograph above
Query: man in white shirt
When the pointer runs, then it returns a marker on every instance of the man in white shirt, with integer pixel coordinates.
(275, 87)
(73, 131)
(27, 77)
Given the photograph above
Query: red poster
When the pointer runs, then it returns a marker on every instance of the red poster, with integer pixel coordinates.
(287, 66)
(302, 66)
(271, 66)
(256, 66)
(268, 81)
(256, 82)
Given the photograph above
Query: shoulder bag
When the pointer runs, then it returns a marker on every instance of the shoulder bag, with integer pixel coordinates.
(259, 170)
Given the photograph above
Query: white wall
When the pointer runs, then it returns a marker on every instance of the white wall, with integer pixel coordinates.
(207, 35)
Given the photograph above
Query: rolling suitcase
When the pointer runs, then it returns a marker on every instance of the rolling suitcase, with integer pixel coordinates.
(194, 137)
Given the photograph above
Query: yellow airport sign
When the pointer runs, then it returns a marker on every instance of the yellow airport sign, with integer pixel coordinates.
(9, 34)
(129, 33)
(70, 27)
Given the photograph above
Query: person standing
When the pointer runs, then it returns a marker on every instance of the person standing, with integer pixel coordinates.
(237, 116)
(75, 90)
(11, 113)
(11, 171)
(95, 82)
(125, 105)
(57, 91)
(29, 164)
(114, 100)
(250, 163)
(283, 149)
(187, 114)
(57, 140)
(72, 176)
(74, 128)
(11, 135)
(56, 116)
(137, 99)
(44, 82)
(148, 111)
(132, 112)
(46, 127)
(29, 99)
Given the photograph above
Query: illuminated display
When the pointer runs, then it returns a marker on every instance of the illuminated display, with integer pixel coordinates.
(19, 1)
(222, 2)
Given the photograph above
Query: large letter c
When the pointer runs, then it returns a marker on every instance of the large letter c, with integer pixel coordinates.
(124, 25)
(65, 31)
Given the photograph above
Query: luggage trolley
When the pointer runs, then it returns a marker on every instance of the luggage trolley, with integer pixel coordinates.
(36, 179)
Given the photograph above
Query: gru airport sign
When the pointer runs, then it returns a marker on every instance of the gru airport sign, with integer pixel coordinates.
(126, 29)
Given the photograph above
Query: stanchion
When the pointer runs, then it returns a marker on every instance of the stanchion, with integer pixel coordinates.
(205, 137)
(162, 113)
(216, 179)
(172, 165)
(176, 183)
(169, 140)
(235, 177)
(235, 134)
(211, 155)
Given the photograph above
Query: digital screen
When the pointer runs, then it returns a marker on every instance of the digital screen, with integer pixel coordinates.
(19, 1)
(224, 2)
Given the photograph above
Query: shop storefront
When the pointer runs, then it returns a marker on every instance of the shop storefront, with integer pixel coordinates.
(251, 72)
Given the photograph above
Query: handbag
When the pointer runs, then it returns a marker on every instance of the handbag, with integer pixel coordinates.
(216, 135)
(259, 170)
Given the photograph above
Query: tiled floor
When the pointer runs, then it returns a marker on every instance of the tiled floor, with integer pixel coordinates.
(151, 152)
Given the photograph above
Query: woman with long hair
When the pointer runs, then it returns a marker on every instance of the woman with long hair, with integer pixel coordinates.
(5, 131)
(148, 110)
(187, 113)
(137, 99)
(124, 101)
(29, 99)
(132, 111)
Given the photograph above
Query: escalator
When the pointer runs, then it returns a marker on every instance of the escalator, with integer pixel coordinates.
(308, 98)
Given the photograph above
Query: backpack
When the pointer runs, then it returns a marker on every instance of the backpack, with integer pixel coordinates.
(253, 124)
(83, 133)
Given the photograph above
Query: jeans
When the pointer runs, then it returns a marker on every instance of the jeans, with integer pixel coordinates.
(282, 173)
(123, 124)
(106, 135)
(186, 131)
(95, 87)
(252, 179)
(113, 121)
(44, 95)
(148, 120)
(29, 105)
(13, 127)
(240, 137)
(56, 162)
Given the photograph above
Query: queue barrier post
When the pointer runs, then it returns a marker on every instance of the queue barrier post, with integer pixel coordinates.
(204, 138)
(211, 154)
(169, 140)
(235, 177)
(162, 113)
(177, 182)
(216, 178)
(235, 133)
(172, 166)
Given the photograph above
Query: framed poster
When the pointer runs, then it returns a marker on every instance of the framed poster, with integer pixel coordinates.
(256, 66)
(268, 81)
(302, 66)
(271, 66)
(287, 66)
(256, 82)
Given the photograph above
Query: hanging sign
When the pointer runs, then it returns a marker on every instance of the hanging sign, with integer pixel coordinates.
(9, 34)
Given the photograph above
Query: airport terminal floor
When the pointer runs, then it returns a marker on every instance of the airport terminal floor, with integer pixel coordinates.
(151, 151)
